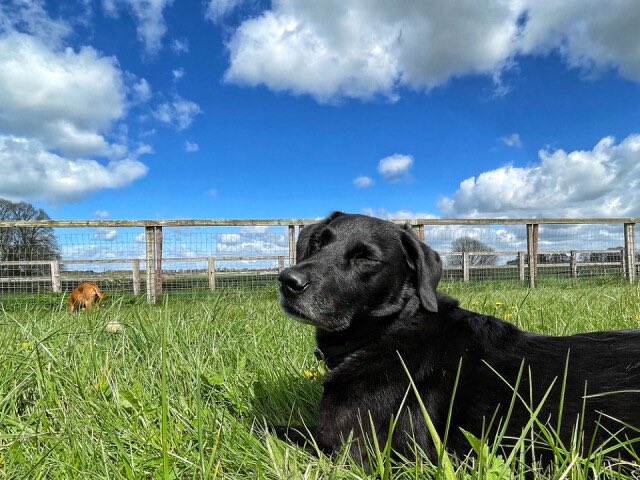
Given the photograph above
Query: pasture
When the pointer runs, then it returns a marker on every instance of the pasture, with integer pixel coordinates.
(184, 389)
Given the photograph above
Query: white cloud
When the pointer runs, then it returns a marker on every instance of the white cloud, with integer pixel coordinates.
(31, 17)
(592, 37)
(101, 214)
(363, 181)
(402, 214)
(512, 140)
(363, 48)
(178, 73)
(395, 168)
(148, 14)
(212, 192)
(178, 113)
(332, 49)
(66, 99)
(180, 46)
(105, 234)
(254, 230)
(218, 9)
(143, 149)
(141, 91)
(60, 108)
(191, 146)
(230, 238)
(602, 182)
(29, 171)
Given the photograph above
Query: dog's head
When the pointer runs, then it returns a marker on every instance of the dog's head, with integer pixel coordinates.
(353, 266)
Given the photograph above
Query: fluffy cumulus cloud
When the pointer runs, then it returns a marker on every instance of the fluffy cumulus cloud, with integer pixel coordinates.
(601, 182)
(396, 168)
(60, 109)
(594, 37)
(65, 98)
(366, 48)
(30, 171)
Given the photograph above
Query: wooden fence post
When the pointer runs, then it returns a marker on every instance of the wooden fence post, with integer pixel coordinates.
(292, 245)
(573, 262)
(55, 276)
(420, 229)
(532, 251)
(153, 263)
(521, 256)
(158, 233)
(465, 266)
(135, 269)
(280, 264)
(211, 272)
(629, 253)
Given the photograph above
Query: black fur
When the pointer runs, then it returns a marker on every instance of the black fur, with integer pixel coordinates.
(369, 288)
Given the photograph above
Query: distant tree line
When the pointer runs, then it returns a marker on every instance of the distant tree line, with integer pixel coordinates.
(468, 244)
(25, 243)
(613, 255)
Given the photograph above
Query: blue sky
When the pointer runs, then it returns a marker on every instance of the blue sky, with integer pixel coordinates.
(132, 109)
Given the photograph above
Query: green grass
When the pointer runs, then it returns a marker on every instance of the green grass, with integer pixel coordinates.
(184, 391)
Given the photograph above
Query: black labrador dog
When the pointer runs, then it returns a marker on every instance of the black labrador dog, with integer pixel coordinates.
(369, 288)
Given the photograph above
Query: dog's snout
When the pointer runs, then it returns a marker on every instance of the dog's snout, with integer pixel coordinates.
(293, 280)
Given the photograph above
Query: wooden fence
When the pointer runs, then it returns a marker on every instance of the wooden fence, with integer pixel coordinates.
(527, 263)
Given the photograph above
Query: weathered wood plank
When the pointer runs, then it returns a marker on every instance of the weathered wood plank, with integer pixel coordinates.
(135, 274)
(150, 249)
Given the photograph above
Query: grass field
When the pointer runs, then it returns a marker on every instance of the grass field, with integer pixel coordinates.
(184, 389)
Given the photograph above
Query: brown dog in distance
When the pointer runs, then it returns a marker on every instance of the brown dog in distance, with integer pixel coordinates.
(84, 295)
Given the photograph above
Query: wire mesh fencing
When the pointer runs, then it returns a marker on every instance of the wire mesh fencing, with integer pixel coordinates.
(182, 256)
(502, 252)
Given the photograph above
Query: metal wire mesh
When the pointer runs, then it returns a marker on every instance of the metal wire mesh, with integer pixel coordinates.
(580, 251)
(478, 252)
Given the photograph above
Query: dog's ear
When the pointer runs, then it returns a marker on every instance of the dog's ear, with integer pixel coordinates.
(427, 266)
(302, 246)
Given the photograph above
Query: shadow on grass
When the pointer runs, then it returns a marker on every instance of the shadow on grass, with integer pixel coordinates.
(282, 398)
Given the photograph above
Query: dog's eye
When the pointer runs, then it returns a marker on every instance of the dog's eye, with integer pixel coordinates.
(362, 254)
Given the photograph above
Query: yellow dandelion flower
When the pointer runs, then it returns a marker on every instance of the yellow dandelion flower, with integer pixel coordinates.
(310, 374)
(24, 344)
(499, 304)
(637, 318)
(508, 316)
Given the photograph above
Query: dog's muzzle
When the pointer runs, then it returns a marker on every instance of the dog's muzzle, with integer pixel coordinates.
(293, 281)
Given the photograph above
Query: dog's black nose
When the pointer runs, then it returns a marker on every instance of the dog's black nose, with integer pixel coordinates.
(293, 280)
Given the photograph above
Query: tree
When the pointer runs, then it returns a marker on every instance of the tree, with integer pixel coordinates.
(553, 258)
(470, 244)
(25, 243)
(613, 255)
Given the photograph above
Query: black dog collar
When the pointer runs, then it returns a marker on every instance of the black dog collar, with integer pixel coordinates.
(333, 355)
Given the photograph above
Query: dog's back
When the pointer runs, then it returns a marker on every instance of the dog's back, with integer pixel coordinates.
(84, 296)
